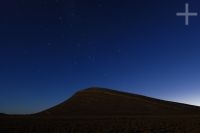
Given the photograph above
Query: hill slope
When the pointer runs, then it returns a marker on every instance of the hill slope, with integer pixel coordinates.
(2, 114)
(106, 102)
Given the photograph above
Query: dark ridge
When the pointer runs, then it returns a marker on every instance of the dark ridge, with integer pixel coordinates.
(3, 114)
(97, 101)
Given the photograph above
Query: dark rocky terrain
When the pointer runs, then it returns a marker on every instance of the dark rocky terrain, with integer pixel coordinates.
(99, 110)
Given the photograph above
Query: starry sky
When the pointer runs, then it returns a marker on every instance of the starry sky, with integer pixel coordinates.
(50, 49)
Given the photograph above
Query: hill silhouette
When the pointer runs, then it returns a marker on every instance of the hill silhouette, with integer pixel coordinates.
(2, 114)
(106, 102)
(100, 110)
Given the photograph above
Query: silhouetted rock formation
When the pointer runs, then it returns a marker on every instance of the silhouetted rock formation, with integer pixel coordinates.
(106, 102)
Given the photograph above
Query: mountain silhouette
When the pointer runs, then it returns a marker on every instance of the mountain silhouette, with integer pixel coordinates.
(2, 114)
(106, 102)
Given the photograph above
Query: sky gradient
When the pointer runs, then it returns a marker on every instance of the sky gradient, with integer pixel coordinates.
(50, 49)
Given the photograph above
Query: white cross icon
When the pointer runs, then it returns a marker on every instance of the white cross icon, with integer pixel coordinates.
(186, 14)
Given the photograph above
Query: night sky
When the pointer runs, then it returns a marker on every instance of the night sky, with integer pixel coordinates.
(50, 49)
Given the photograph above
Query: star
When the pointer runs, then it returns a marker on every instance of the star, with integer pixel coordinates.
(92, 58)
(49, 44)
(75, 62)
(100, 5)
(60, 18)
(57, 1)
(78, 45)
(118, 51)
(73, 14)
(105, 75)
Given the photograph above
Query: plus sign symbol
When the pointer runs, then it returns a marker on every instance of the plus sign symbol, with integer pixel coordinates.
(186, 14)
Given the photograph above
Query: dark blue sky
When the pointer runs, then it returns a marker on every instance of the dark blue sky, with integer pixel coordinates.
(50, 49)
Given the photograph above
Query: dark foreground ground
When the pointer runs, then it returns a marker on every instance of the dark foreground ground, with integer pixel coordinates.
(139, 124)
